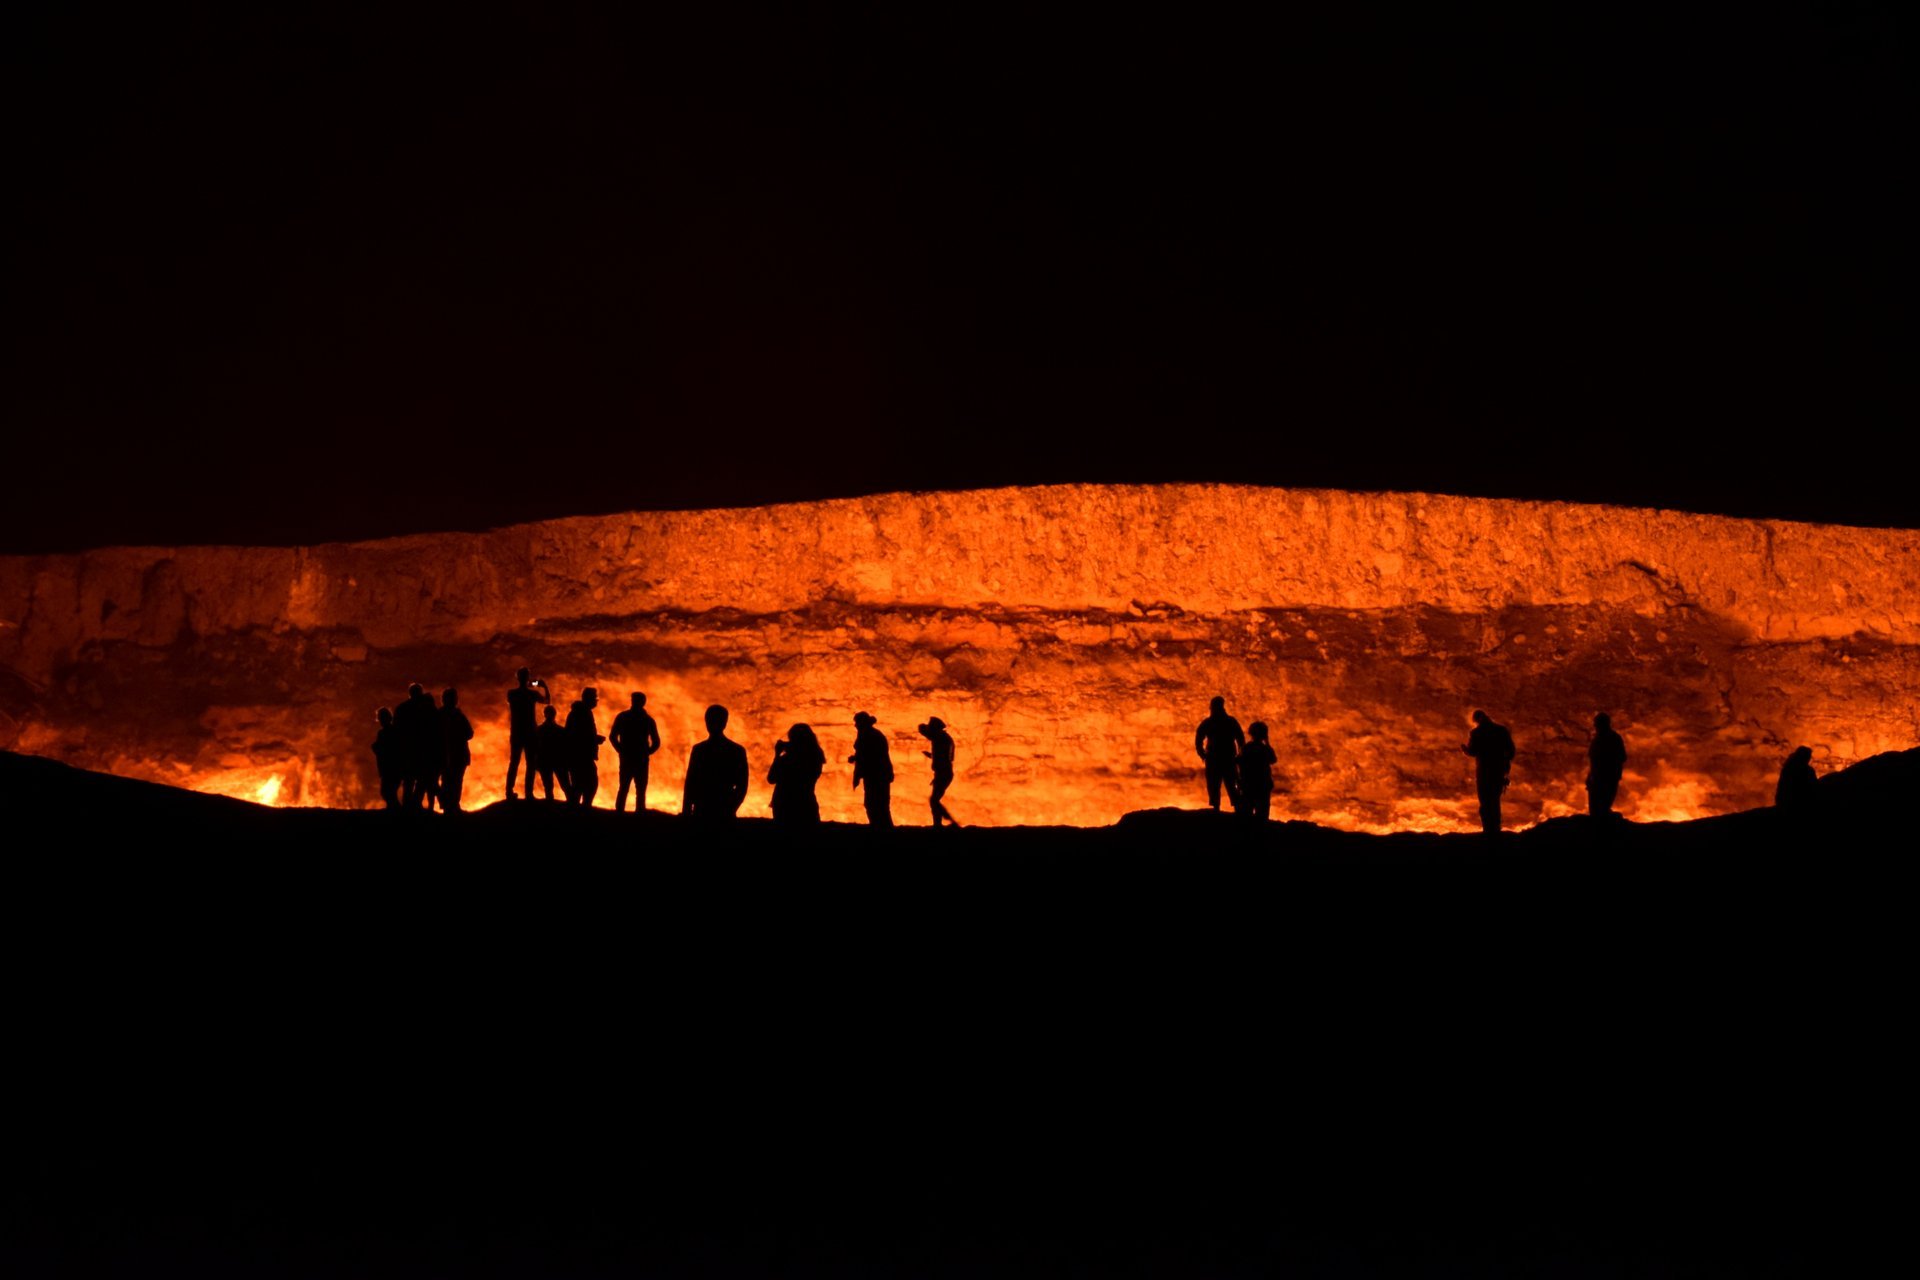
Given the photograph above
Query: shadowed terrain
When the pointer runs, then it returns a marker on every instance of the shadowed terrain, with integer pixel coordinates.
(542, 1040)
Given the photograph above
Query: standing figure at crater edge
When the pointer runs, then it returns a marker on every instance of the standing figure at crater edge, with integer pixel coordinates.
(634, 738)
(872, 765)
(386, 758)
(1795, 790)
(797, 762)
(523, 737)
(935, 732)
(1256, 773)
(1217, 742)
(416, 725)
(1606, 761)
(550, 756)
(1491, 747)
(584, 739)
(456, 732)
(716, 773)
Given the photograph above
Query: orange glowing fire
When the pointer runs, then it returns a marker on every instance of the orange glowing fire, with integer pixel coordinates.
(1069, 635)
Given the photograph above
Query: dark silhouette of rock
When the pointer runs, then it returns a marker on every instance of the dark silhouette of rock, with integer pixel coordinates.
(797, 764)
(716, 773)
(1257, 759)
(873, 768)
(1491, 747)
(634, 738)
(935, 732)
(1217, 742)
(1606, 761)
(523, 735)
(456, 735)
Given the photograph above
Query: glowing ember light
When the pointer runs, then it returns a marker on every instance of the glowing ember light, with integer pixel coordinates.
(268, 792)
(1069, 635)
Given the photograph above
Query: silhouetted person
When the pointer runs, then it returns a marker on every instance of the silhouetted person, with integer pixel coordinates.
(551, 756)
(797, 762)
(523, 736)
(716, 773)
(1606, 761)
(456, 733)
(935, 732)
(386, 758)
(1795, 791)
(634, 738)
(583, 742)
(873, 766)
(1491, 747)
(1218, 741)
(1256, 773)
(416, 723)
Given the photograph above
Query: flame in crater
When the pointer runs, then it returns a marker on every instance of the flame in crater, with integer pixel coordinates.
(1070, 635)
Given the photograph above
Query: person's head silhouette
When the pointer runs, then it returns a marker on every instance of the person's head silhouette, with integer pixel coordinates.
(716, 720)
(639, 700)
(385, 716)
(451, 698)
(1603, 721)
(933, 725)
(525, 675)
(1480, 717)
(1218, 706)
(590, 696)
(862, 719)
(415, 691)
(551, 713)
(1258, 729)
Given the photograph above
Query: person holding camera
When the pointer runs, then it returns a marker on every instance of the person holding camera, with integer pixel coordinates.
(523, 727)
(797, 764)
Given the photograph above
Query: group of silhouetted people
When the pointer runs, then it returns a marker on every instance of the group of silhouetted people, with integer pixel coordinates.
(1240, 766)
(422, 752)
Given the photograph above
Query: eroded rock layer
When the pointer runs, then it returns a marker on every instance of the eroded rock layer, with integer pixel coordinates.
(1070, 635)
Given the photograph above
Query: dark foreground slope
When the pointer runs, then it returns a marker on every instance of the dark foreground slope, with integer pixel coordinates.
(536, 1041)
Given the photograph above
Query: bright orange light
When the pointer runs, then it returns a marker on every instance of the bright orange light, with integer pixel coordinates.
(1070, 635)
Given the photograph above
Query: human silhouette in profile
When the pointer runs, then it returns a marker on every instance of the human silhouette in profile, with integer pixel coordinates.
(583, 743)
(716, 773)
(1257, 759)
(456, 734)
(797, 762)
(1217, 742)
(523, 736)
(941, 742)
(1606, 761)
(551, 756)
(386, 758)
(873, 768)
(634, 738)
(1491, 747)
(1796, 790)
(416, 724)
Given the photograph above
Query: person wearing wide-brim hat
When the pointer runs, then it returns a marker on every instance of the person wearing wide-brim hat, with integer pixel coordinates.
(935, 732)
(873, 765)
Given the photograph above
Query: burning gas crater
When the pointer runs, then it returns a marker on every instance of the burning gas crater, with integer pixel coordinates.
(1070, 635)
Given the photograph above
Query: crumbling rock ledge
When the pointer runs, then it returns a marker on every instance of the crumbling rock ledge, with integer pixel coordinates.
(1070, 634)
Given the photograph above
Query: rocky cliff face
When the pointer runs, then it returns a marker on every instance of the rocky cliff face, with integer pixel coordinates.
(1070, 635)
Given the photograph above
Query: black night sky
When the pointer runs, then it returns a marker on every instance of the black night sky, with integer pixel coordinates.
(320, 272)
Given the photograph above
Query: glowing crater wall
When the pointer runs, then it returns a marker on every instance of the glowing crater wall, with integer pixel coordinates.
(1070, 635)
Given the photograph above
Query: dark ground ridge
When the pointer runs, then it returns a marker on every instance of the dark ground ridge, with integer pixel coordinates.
(538, 1041)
